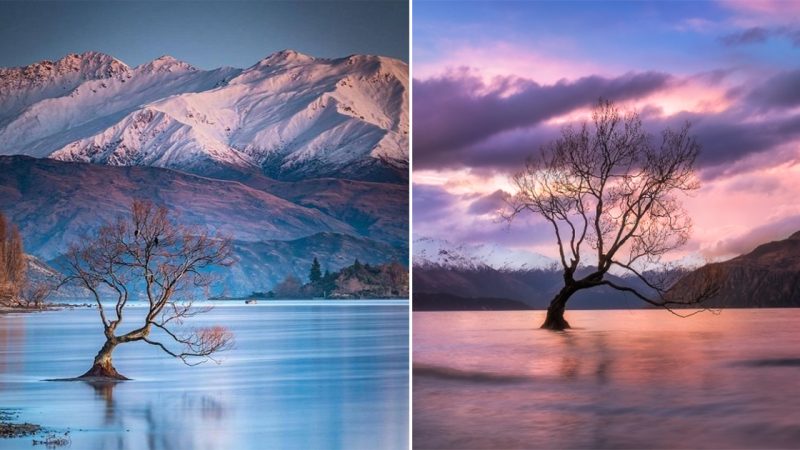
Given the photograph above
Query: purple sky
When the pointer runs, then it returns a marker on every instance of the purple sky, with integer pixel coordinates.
(494, 81)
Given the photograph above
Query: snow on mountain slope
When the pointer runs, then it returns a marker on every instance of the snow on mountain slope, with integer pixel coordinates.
(439, 252)
(96, 104)
(21, 87)
(290, 116)
(149, 137)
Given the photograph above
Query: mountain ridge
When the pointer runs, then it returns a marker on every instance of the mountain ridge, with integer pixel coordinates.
(277, 226)
(766, 277)
(290, 116)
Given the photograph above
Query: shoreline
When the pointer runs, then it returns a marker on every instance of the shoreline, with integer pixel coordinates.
(50, 307)
(10, 428)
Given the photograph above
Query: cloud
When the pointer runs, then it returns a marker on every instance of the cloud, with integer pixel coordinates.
(494, 58)
(753, 184)
(462, 121)
(432, 203)
(441, 214)
(489, 204)
(749, 36)
(728, 138)
(763, 10)
(745, 243)
(779, 91)
(759, 35)
(459, 109)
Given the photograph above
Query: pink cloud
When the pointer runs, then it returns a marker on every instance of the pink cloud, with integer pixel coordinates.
(502, 59)
(763, 12)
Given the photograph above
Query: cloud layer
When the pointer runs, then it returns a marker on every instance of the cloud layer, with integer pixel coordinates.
(731, 69)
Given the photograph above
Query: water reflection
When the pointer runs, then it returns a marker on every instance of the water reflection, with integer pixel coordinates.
(104, 391)
(625, 379)
(301, 376)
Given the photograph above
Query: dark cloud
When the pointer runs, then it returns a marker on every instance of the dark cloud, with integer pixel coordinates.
(507, 151)
(724, 141)
(779, 91)
(749, 36)
(758, 35)
(457, 110)
(489, 203)
(462, 122)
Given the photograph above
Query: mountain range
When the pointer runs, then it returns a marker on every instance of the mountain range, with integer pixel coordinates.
(766, 277)
(295, 157)
(452, 276)
(289, 116)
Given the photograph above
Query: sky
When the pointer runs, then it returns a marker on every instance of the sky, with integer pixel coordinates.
(494, 81)
(206, 34)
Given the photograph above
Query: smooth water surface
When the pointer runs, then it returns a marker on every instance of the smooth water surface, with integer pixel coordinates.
(619, 379)
(313, 374)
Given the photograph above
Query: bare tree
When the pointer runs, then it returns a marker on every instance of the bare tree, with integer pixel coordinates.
(148, 254)
(12, 264)
(609, 188)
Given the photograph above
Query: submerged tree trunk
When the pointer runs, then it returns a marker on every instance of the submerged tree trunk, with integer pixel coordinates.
(555, 312)
(103, 367)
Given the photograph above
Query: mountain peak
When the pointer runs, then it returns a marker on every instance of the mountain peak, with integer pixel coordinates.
(166, 63)
(795, 236)
(22, 86)
(89, 61)
(286, 56)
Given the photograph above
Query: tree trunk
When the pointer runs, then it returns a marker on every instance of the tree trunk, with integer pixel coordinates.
(555, 312)
(102, 367)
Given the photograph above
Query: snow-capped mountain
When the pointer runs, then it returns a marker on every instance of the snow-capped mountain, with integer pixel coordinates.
(21, 87)
(289, 116)
(440, 252)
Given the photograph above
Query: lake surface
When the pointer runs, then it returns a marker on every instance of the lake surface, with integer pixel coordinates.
(620, 379)
(306, 374)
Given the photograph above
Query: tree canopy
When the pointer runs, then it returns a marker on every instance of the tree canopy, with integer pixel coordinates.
(610, 193)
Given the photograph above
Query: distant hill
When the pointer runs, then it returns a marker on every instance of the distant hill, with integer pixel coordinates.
(767, 277)
(277, 227)
(533, 287)
(449, 302)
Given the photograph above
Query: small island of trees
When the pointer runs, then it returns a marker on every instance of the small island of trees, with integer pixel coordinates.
(356, 281)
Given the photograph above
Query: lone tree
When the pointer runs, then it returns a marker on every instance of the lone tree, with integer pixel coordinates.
(148, 254)
(610, 188)
(315, 274)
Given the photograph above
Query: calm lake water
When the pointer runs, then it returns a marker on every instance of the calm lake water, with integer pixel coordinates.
(302, 375)
(620, 379)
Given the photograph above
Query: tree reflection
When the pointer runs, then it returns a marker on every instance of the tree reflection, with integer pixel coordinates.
(160, 420)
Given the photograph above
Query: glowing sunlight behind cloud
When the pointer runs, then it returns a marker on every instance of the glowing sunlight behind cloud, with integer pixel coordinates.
(487, 97)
